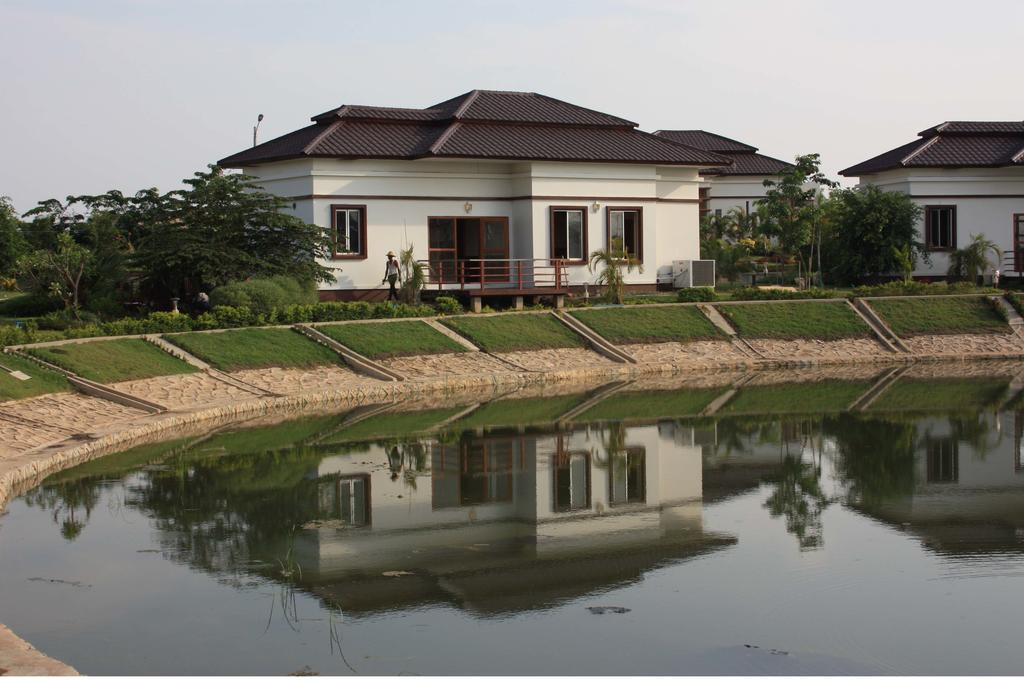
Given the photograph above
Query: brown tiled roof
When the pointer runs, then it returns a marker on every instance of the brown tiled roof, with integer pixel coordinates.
(558, 143)
(745, 159)
(953, 144)
(478, 124)
(707, 141)
(750, 164)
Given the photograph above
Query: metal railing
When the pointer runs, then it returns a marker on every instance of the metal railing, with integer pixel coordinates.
(504, 274)
(1013, 261)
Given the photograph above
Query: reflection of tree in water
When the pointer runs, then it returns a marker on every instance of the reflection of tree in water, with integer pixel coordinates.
(408, 459)
(875, 456)
(69, 502)
(799, 498)
(217, 512)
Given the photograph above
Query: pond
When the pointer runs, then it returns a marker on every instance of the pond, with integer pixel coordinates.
(845, 525)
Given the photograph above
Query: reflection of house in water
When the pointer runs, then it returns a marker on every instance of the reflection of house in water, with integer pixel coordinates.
(968, 486)
(505, 521)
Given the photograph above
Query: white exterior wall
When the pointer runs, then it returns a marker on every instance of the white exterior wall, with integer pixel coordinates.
(728, 192)
(985, 198)
(522, 192)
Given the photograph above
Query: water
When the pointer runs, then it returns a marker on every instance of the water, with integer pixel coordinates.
(616, 531)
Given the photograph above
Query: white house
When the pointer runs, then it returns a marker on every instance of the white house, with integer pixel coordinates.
(737, 185)
(969, 178)
(500, 191)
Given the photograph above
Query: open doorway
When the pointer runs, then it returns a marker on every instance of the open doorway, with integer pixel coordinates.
(469, 249)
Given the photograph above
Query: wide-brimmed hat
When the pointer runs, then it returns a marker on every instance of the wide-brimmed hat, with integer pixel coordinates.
(391, 254)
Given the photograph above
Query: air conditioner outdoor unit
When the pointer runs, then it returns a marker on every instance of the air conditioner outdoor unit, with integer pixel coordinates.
(690, 273)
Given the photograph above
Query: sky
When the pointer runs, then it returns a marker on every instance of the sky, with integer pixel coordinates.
(111, 94)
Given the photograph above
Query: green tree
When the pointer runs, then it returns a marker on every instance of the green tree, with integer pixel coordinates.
(12, 243)
(225, 228)
(59, 271)
(872, 234)
(971, 261)
(792, 211)
(609, 264)
(741, 224)
(713, 227)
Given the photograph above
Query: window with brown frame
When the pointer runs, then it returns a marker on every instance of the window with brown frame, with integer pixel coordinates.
(569, 233)
(704, 200)
(345, 498)
(627, 477)
(348, 231)
(625, 231)
(572, 480)
(940, 228)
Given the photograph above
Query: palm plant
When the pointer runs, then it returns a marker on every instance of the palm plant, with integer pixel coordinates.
(741, 224)
(610, 262)
(971, 261)
(413, 276)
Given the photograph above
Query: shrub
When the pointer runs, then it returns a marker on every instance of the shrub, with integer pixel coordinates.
(262, 296)
(31, 305)
(754, 293)
(698, 294)
(448, 305)
(59, 320)
(919, 288)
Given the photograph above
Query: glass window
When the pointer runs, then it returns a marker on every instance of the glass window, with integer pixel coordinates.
(628, 477)
(567, 236)
(348, 227)
(572, 481)
(943, 460)
(940, 227)
(624, 232)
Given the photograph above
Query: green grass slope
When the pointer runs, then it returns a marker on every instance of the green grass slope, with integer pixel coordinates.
(649, 324)
(110, 361)
(255, 349)
(514, 332)
(391, 339)
(823, 321)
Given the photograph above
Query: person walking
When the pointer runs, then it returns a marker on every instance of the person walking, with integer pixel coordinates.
(392, 275)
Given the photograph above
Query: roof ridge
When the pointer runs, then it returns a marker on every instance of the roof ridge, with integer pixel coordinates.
(316, 140)
(444, 137)
(1018, 157)
(931, 141)
(473, 96)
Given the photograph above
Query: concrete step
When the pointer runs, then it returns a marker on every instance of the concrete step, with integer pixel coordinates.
(600, 344)
(358, 363)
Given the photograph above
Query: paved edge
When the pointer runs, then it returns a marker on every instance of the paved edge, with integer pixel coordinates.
(20, 658)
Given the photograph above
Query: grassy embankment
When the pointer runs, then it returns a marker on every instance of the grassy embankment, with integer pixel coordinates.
(42, 382)
(946, 395)
(660, 404)
(796, 398)
(514, 332)
(785, 321)
(649, 324)
(391, 339)
(110, 361)
(255, 349)
(917, 316)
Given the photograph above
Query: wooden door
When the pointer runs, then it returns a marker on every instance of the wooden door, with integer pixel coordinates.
(494, 249)
(1018, 242)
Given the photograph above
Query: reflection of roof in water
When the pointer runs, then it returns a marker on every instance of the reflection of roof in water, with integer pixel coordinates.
(733, 479)
(974, 522)
(516, 581)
